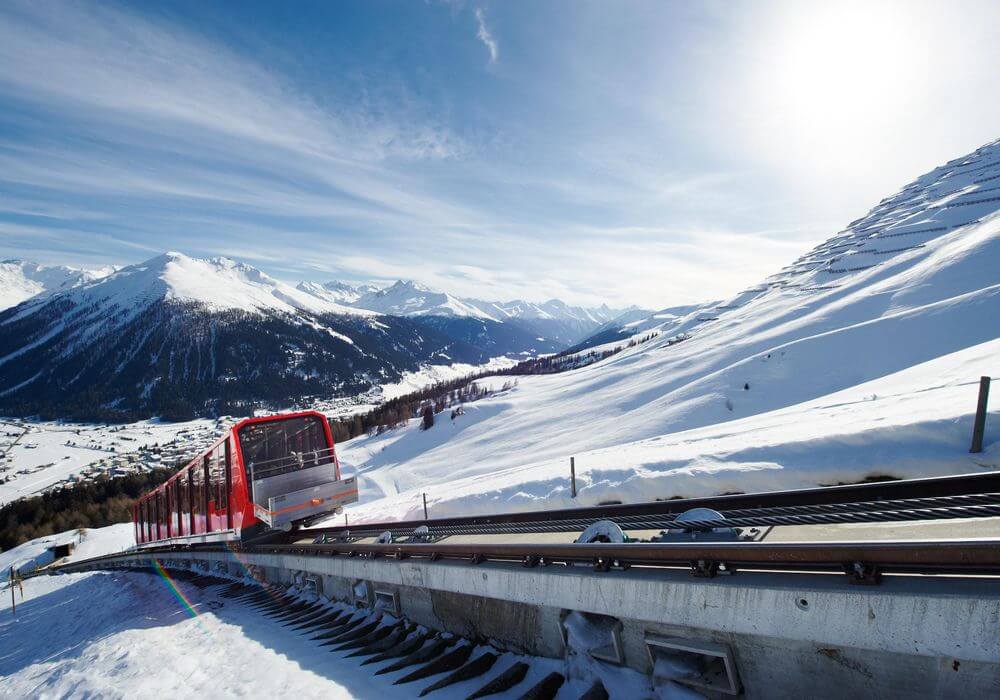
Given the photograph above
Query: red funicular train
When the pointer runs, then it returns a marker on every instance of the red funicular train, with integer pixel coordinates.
(273, 472)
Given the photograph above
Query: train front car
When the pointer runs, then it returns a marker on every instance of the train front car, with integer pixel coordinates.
(292, 470)
(267, 473)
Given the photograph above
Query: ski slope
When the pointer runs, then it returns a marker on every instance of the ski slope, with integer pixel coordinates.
(860, 359)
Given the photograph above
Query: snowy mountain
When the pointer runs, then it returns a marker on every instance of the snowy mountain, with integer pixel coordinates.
(554, 323)
(860, 359)
(336, 292)
(178, 335)
(407, 298)
(21, 280)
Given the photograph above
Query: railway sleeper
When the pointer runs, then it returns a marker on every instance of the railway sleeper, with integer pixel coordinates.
(449, 662)
(283, 609)
(407, 645)
(546, 688)
(335, 630)
(504, 682)
(475, 668)
(376, 635)
(388, 642)
(303, 614)
(422, 655)
(353, 634)
(365, 633)
(338, 620)
(308, 614)
(318, 621)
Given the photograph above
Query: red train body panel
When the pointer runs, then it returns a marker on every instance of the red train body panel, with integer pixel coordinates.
(266, 472)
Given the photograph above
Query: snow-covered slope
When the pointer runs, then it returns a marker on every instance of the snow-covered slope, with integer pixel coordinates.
(902, 309)
(636, 323)
(21, 280)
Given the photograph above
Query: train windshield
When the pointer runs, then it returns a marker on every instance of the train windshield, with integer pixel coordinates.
(281, 446)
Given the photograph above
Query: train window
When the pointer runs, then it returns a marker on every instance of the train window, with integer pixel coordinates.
(168, 494)
(177, 512)
(183, 503)
(140, 517)
(217, 475)
(189, 490)
(198, 496)
(268, 447)
(158, 512)
(161, 509)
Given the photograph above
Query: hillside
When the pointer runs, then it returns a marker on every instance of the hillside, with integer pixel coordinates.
(860, 359)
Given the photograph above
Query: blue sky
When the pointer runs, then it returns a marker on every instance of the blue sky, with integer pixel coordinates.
(653, 153)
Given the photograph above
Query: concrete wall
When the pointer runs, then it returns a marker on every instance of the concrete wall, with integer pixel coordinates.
(789, 635)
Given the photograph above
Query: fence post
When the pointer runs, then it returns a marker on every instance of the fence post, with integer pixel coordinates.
(425, 505)
(572, 475)
(979, 427)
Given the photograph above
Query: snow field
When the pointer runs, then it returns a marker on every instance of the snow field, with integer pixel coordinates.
(41, 458)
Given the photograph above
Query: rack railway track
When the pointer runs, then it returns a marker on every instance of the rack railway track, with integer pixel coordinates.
(884, 501)
(941, 498)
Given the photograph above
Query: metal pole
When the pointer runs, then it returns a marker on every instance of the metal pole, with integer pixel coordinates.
(425, 506)
(979, 427)
(13, 605)
(572, 474)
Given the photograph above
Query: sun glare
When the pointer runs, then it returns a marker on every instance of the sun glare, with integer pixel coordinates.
(832, 73)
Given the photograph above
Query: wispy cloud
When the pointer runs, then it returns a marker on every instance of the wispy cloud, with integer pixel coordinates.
(603, 166)
(486, 36)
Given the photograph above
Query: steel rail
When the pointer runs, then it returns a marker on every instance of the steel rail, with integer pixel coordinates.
(763, 518)
(915, 556)
(909, 510)
(975, 495)
(921, 556)
(862, 562)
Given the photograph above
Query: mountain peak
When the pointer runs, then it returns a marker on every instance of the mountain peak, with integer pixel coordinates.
(218, 283)
(21, 280)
